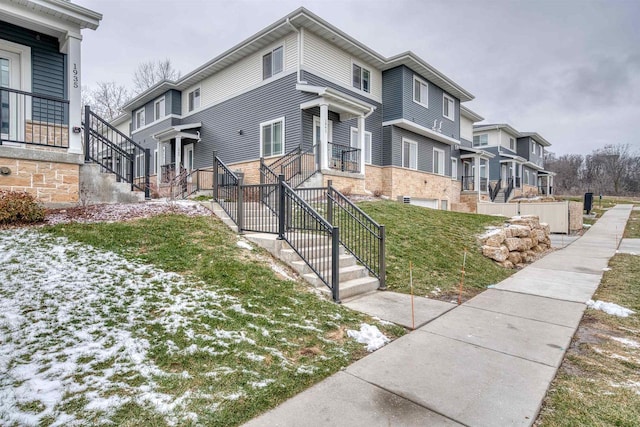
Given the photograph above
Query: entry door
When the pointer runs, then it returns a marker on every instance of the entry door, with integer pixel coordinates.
(503, 174)
(316, 141)
(9, 102)
(187, 156)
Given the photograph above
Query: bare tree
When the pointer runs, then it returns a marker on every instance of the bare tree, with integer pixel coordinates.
(149, 73)
(615, 161)
(107, 99)
(568, 169)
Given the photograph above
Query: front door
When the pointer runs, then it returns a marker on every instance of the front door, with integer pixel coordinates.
(187, 156)
(503, 174)
(9, 102)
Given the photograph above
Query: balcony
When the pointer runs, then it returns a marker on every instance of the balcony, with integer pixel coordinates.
(344, 158)
(468, 184)
(39, 120)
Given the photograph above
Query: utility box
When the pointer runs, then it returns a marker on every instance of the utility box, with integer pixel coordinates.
(588, 202)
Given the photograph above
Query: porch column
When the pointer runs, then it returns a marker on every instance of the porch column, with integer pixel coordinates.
(549, 178)
(72, 48)
(476, 178)
(513, 172)
(158, 166)
(361, 138)
(178, 154)
(324, 136)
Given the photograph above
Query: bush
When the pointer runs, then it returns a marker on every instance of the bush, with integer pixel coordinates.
(19, 208)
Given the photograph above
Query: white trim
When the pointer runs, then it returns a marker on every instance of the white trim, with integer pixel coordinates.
(270, 122)
(163, 100)
(366, 133)
(156, 167)
(316, 122)
(512, 147)
(454, 165)
(24, 52)
(185, 149)
(195, 108)
(413, 87)
(148, 125)
(139, 167)
(350, 88)
(135, 118)
(533, 146)
(362, 69)
(442, 162)
(408, 141)
(421, 130)
(452, 110)
(479, 144)
(271, 49)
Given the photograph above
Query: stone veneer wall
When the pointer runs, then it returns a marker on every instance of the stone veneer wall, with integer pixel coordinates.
(518, 242)
(50, 176)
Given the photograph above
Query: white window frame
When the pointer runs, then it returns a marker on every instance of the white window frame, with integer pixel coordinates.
(533, 147)
(162, 111)
(155, 162)
(526, 177)
(363, 69)
(454, 168)
(139, 118)
(139, 173)
(272, 72)
(423, 102)
(191, 106)
(415, 161)
(269, 123)
(367, 143)
(512, 144)
(480, 144)
(441, 163)
(446, 99)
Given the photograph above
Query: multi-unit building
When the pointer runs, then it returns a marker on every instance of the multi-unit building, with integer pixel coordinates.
(41, 147)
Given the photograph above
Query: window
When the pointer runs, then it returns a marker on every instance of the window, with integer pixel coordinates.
(438, 161)
(420, 92)
(526, 177)
(448, 107)
(409, 154)
(139, 118)
(139, 165)
(273, 63)
(512, 144)
(454, 168)
(194, 99)
(540, 150)
(158, 109)
(481, 140)
(361, 78)
(355, 142)
(272, 138)
(533, 147)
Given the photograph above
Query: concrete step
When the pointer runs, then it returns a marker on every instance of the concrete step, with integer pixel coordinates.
(289, 255)
(302, 267)
(351, 288)
(346, 274)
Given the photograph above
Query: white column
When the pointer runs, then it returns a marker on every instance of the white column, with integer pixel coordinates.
(74, 85)
(178, 154)
(361, 138)
(549, 178)
(476, 178)
(513, 172)
(159, 165)
(324, 136)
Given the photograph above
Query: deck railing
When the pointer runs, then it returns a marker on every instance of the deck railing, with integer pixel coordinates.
(344, 158)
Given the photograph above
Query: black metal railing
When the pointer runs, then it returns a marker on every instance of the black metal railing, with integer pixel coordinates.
(115, 152)
(518, 182)
(168, 172)
(494, 190)
(359, 233)
(508, 190)
(26, 118)
(344, 158)
(297, 166)
(311, 236)
(542, 189)
(178, 185)
(468, 183)
(225, 189)
(259, 207)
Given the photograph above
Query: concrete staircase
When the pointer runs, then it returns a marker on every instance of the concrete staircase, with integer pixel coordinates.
(101, 187)
(354, 278)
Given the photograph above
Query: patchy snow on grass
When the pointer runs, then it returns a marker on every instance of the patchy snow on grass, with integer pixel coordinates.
(610, 308)
(626, 342)
(369, 335)
(244, 245)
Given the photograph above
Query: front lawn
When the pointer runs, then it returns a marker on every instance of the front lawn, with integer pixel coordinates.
(160, 321)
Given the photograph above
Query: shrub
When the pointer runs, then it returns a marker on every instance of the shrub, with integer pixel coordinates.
(19, 207)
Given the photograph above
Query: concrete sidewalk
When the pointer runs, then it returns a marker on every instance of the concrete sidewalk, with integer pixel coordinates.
(487, 362)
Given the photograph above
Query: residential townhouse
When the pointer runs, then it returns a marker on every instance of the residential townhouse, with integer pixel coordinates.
(518, 166)
(41, 148)
(373, 125)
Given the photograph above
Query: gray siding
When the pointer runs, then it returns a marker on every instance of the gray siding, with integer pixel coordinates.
(392, 93)
(145, 136)
(524, 150)
(417, 113)
(425, 150)
(174, 102)
(494, 163)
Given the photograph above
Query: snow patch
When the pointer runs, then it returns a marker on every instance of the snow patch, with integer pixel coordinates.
(610, 308)
(244, 245)
(369, 335)
(627, 342)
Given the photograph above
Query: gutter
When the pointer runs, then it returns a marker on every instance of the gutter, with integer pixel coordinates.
(298, 62)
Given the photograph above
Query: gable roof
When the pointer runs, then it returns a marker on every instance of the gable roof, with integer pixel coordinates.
(303, 18)
(508, 128)
(537, 137)
(468, 113)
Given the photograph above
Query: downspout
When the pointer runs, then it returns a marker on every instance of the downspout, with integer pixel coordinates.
(298, 71)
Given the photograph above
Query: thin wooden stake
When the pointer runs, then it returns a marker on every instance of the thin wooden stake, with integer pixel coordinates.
(464, 263)
(413, 319)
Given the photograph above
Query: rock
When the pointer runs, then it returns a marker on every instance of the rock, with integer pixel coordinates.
(515, 258)
(514, 244)
(537, 249)
(507, 232)
(540, 235)
(520, 230)
(543, 246)
(499, 254)
(534, 238)
(546, 228)
(493, 238)
(527, 242)
(507, 264)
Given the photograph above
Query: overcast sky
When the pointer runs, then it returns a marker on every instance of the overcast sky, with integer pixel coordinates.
(567, 69)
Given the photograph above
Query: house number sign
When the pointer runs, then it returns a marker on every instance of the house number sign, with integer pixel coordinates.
(75, 76)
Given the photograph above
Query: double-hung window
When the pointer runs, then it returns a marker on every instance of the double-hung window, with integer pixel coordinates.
(481, 140)
(139, 118)
(355, 142)
(159, 109)
(139, 165)
(272, 63)
(194, 99)
(438, 161)
(272, 138)
(361, 78)
(512, 144)
(420, 92)
(448, 107)
(533, 147)
(409, 154)
(454, 168)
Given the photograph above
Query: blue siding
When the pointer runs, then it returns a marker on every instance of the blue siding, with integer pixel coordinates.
(424, 116)
(392, 93)
(425, 150)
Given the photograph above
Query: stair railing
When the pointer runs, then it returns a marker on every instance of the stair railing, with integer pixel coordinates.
(493, 192)
(508, 190)
(226, 192)
(115, 152)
